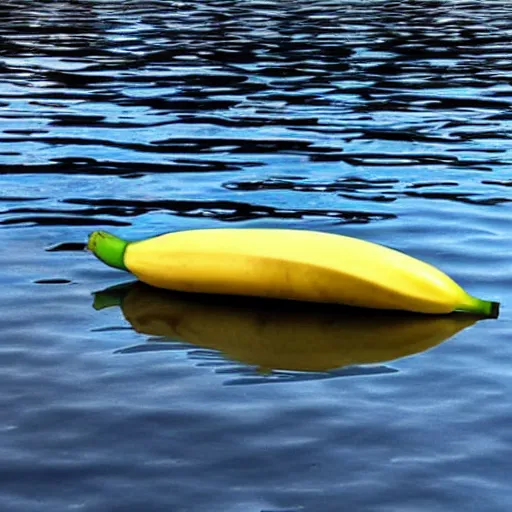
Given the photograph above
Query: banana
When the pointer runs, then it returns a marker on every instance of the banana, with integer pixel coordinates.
(289, 264)
(292, 336)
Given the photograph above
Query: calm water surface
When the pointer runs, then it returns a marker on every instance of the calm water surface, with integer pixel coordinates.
(385, 120)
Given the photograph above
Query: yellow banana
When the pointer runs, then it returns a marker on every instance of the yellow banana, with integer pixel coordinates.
(285, 336)
(288, 264)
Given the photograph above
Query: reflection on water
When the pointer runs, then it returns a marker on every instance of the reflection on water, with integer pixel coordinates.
(276, 335)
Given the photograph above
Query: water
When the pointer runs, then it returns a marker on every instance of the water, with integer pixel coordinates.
(389, 121)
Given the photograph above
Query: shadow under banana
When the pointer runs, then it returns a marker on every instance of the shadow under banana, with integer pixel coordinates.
(279, 335)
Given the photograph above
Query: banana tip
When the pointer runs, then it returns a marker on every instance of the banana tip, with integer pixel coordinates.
(494, 310)
(93, 240)
(108, 248)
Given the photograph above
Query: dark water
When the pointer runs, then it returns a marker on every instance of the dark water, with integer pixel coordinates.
(390, 121)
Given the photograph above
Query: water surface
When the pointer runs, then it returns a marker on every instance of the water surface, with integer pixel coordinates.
(389, 121)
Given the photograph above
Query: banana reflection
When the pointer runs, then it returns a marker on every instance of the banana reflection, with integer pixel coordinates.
(280, 335)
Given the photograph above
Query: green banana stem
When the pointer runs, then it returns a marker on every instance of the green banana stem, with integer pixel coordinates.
(108, 248)
(481, 307)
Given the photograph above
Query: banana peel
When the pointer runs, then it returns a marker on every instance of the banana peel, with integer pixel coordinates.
(289, 264)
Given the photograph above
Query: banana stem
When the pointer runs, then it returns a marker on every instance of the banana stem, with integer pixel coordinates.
(485, 308)
(108, 248)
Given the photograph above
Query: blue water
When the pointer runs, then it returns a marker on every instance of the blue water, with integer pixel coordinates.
(389, 121)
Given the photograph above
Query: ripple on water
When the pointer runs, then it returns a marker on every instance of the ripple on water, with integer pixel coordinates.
(388, 121)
